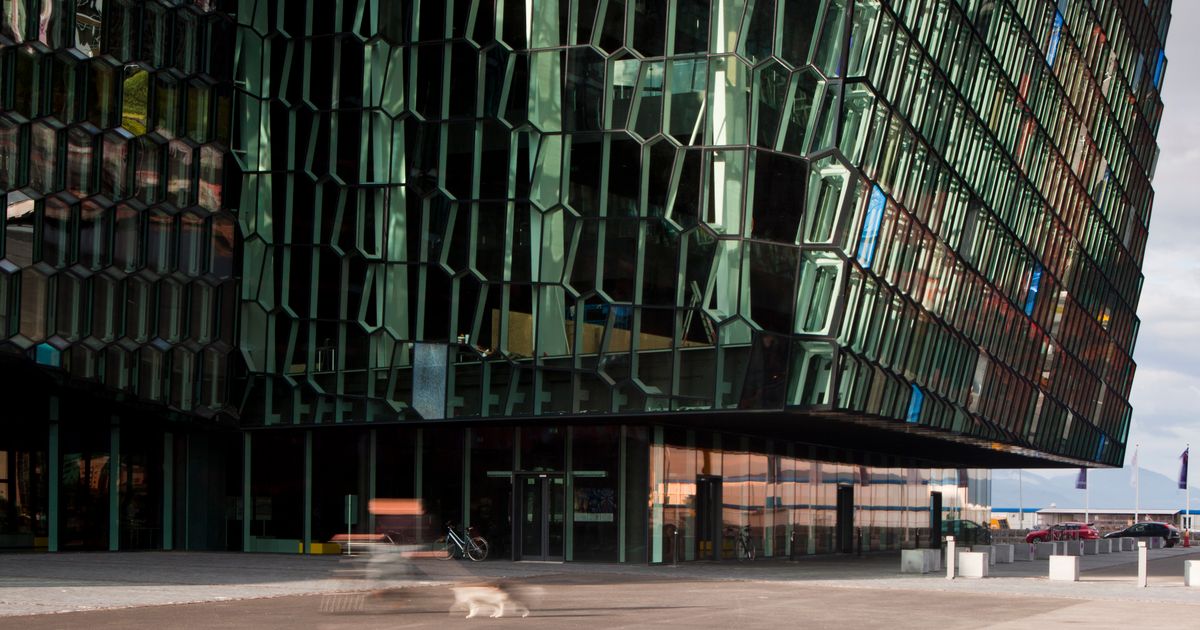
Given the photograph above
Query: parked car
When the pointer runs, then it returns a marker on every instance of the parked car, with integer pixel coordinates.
(967, 532)
(1168, 532)
(1063, 531)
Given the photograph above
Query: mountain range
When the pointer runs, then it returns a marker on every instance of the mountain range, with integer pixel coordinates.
(1109, 488)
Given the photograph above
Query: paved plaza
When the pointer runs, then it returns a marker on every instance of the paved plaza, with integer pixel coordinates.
(205, 590)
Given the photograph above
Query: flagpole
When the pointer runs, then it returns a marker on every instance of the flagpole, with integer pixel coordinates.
(1137, 486)
(1020, 501)
(1187, 489)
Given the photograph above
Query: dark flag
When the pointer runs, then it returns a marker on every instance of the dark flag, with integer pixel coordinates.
(1081, 480)
(1183, 469)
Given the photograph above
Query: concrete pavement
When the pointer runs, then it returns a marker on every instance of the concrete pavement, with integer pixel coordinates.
(187, 590)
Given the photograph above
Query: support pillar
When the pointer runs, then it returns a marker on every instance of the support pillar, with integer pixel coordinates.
(168, 515)
(621, 481)
(308, 502)
(55, 479)
(114, 486)
(247, 500)
(466, 480)
(656, 493)
(372, 447)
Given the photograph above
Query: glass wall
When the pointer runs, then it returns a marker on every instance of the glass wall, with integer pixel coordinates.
(24, 493)
(707, 490)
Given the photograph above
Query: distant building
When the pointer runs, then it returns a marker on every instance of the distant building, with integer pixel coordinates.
(1016, 518)
(1107, 519)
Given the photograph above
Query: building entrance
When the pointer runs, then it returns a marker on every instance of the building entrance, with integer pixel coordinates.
(541, 502)
(935, 520)
(845, 519)
(708, 517)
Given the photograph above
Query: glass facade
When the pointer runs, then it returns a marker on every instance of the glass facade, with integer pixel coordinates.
(522, 235)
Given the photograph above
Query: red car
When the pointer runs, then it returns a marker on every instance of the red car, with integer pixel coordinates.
(1063, 531)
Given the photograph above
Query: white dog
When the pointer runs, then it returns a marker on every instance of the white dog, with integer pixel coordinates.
(480, 598)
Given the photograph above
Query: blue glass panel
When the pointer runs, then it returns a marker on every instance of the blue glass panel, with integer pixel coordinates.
(1034, 283)
(49, 355)
(914, 405)
(1055, 35)
(870, 230)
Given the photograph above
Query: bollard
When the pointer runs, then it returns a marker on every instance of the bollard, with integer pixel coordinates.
(951, 556)
(1064, 568)
(1141, 581)
(1191, 573)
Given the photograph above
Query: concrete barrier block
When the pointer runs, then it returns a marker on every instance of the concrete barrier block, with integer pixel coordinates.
(920, 560)
(1091, 547)
(1045, 550)
(972, 564)
(1191, 573)
(1128, 544)
(990, 550)
(1156, 543)
(1004, 553)
(1025, 552)
(1104, 545)
(1072, 548)
(1064, 568)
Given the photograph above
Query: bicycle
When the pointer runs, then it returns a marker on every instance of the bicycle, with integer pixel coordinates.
(457, 545)
(743, 544)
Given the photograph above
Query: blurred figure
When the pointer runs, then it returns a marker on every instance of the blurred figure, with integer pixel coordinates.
(494, 598)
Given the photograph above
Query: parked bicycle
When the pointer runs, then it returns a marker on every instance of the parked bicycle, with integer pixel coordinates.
(743, 544)
(469, 545)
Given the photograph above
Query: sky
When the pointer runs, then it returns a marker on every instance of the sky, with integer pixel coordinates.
(1166, 386)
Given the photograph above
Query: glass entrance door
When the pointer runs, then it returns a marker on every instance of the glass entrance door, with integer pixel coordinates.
(541, 506)
(845, 519)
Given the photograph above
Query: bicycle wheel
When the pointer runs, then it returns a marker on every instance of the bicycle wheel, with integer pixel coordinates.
(445, 548)
(740, 549)
(751, 550)
(477, 548)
